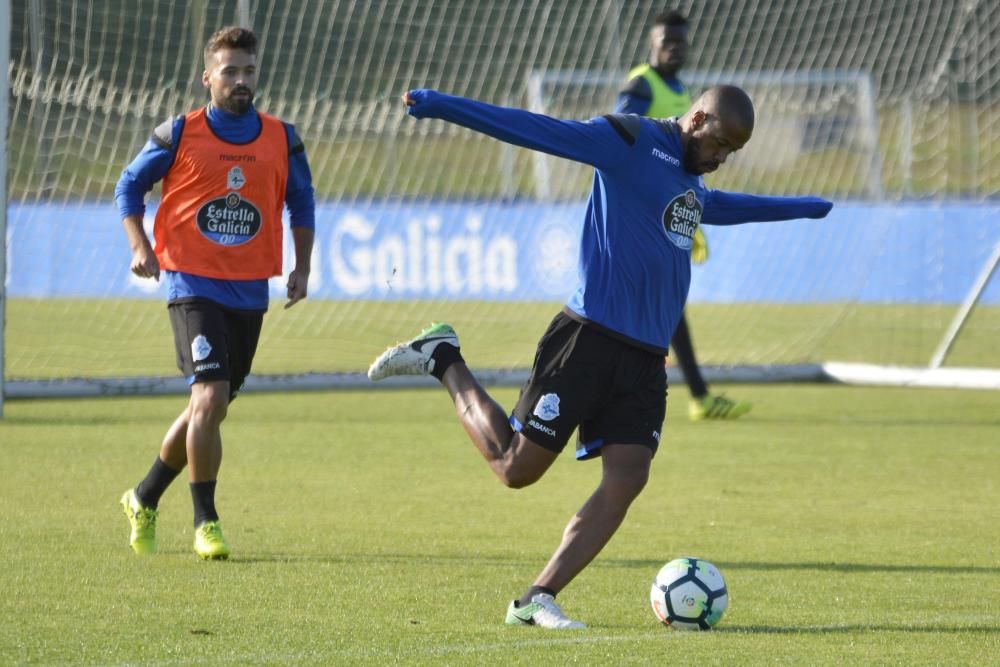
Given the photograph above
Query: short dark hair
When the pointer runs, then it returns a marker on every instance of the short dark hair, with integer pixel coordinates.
(231, 37)
(671, 18)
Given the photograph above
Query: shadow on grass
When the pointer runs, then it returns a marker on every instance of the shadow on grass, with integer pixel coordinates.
(866, 422)
(63, 421)
(504, 559)
(821, 567)
(375, 559)
(852, 628)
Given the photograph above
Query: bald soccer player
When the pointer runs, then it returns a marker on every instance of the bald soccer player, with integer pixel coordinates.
(599, 366)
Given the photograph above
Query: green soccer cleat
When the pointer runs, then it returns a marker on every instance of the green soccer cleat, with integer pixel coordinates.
(543, 612)
(142, 539)
(209, 542)
(414, 356)
(716, 407)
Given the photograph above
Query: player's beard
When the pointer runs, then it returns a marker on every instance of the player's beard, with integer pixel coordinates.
(669, 67)
(691, 162)
(237, 105)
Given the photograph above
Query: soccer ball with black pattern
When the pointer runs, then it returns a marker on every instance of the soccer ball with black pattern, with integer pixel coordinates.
(689, 594)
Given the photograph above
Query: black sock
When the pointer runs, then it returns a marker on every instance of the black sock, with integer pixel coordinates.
(203, 498)
(532, 592)
(151, 488)
(444, 356)
(684, 351)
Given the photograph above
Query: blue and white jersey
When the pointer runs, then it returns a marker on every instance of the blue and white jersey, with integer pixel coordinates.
(634, 265)
(635, 250)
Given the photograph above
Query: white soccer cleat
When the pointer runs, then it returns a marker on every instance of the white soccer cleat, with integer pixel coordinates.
(414, 356)
(543, 612)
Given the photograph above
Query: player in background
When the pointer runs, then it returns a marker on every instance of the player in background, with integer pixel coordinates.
(599, 366)
(227, 171)
(654, 90)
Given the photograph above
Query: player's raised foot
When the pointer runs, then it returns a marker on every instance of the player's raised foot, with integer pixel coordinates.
(716, 407)
(142, 539)
(414, 356)
(209, 542)
(543, 612)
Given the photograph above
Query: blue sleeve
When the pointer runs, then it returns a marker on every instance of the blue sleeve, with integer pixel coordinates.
(299, 194)
(734, 208)
(635, 98)
(149, 166)
(597, 142)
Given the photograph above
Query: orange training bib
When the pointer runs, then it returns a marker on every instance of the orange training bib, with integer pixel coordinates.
(220, 216)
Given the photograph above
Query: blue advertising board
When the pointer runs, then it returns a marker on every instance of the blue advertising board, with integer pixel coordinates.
(916, 253)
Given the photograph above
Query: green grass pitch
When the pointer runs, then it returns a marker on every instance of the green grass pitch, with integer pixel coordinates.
(132, 337)
(853, 525)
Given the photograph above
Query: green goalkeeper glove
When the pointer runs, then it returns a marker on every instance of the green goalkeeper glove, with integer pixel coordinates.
(699, 247)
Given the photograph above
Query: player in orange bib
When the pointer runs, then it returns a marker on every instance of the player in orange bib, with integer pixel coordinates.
(227, 171)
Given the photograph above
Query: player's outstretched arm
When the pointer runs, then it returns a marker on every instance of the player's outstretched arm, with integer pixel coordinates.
(593, 142)
(734, 208)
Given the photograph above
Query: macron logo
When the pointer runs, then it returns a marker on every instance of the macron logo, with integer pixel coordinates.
(666, 158)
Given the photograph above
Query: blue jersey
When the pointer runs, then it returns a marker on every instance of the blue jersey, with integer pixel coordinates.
(634, 266)
(156, 158)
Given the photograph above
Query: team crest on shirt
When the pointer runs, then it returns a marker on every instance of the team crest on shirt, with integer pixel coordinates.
(681, 218)
(229, 221)
(235, 179)
(547, 407)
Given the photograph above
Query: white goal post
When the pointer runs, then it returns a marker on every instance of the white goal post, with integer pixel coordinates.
(962, 316)
(774, 91)
(4, 88)
(934, 375)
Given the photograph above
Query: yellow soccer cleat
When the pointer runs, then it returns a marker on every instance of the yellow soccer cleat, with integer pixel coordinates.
(209, 542)
(716, 407)
(143, 521)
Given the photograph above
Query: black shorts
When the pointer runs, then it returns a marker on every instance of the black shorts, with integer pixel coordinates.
(214, 342)
(613, 391)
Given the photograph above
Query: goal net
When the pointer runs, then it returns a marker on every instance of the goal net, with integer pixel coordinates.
(816, 130)
(891, 109)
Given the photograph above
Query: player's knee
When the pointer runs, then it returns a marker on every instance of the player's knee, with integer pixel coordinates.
(523, 462)
(515, 476)
(629, 483)
(210, 402)
(210, 411)
(516, 480)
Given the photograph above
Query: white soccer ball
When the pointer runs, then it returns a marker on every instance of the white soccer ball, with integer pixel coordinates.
(689, 594)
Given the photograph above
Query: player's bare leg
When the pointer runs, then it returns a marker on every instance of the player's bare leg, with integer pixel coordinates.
(173, 451)
(207, 410)
(514, 459)
(626, 469)
(625, 472)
